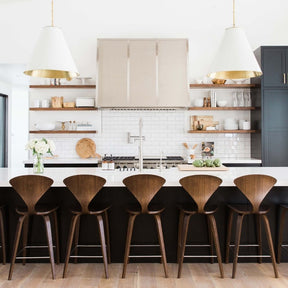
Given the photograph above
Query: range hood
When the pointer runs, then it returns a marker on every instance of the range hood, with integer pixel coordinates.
(142, 73)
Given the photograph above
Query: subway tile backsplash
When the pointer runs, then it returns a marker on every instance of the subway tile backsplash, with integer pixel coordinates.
(164, 131)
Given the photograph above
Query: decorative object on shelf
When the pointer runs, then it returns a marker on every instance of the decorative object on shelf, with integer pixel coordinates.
(86, 148)
(204, 120)
(221, 103)
(51, 57)
(39, 147)
(207, 149)
(199, 126)
(68, 104)
(218, 81)
(57, 102)
(235, 58)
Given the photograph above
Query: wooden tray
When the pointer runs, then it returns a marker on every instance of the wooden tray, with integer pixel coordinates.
(186, 167)
(86, 148)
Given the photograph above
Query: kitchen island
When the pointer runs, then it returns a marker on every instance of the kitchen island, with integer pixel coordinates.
(171, 193)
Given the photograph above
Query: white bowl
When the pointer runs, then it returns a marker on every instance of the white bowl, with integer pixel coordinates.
(221, 103)
(45, 126)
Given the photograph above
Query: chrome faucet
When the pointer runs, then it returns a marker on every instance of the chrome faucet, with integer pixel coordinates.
(140, 138)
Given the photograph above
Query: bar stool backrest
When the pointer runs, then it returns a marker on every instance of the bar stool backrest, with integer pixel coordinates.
(144, 187)
(84, 188)
(200, 188)
(31, 188)
(255, 187)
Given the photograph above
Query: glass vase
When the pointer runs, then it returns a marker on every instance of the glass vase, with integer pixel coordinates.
(38, 166)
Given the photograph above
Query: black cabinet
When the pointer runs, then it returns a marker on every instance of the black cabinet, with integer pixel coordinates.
(275, 65)
(272, 97)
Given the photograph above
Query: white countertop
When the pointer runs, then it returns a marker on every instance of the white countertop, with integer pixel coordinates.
(114, 178)
(59, 160)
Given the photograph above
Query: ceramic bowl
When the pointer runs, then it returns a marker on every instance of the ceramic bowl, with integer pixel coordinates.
(221, 103)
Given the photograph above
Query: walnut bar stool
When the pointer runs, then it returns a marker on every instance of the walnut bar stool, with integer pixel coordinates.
(31, 188)
(144, 187)
(283, 209)
(255, 188)
(200, 188)
(2, 236)
(84, 188)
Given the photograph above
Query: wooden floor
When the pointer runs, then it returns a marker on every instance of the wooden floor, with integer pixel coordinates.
(145, 275)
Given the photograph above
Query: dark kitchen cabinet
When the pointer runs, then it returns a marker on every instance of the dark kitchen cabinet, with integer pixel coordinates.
(275, 65)
(272, 97)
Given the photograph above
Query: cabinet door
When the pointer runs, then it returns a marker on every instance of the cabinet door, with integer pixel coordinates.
(112, 73)
(172, 73)
(142, 80)
(275, 127)
(274, 67)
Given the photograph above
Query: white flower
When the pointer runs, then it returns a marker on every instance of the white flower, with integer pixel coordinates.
(41, 146)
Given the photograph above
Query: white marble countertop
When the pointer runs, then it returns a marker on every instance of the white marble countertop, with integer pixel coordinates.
(59, 160)
(114, 177)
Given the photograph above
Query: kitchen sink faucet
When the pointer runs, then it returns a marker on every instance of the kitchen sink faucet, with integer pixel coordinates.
(140, 138)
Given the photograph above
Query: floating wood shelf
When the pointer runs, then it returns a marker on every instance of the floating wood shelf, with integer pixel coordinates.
(62, 132)
(222, 131)
(221, 108)
(223, 86)
(62, 86)
(64, 109)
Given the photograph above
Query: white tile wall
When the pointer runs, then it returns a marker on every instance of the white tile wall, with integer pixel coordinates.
(164, 131)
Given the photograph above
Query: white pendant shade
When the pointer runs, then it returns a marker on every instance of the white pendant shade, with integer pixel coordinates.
(51, 57)
(235, 58)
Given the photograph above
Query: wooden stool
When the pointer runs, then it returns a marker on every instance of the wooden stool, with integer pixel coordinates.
(284, 209)
(200, 188)
(2, 232)
(85, 188)
(255, 188)
(144, 187)
(31, 188)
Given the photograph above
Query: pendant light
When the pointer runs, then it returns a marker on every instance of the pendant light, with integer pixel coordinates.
(235, 58)
(51, 57)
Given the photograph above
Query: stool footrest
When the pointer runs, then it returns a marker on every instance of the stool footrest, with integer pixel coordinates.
(145, 256)
(33, 257)
(85, 256)
(145, 245)
(202, 256)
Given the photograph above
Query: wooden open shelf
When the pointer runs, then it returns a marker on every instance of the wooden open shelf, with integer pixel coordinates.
(222, 131)
(221, 108)
(223, 86)
(62, 86)
(64, 109)
(62, 131)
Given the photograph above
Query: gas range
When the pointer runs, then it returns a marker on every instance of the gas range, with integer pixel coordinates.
(132, 163)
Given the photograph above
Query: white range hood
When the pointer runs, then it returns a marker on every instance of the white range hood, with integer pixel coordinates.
(142, 73)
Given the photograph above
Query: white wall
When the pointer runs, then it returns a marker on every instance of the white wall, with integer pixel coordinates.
(203, 22)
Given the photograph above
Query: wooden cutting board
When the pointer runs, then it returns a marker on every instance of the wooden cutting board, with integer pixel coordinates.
(86, 148)
(186, 167)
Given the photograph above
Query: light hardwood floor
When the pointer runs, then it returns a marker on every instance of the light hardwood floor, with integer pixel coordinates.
(144, 275)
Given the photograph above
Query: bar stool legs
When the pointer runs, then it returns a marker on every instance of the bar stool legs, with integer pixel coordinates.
(284, 209)
(128, 242)
(161, 242)
(2, 231)
(238, 237)
(74, 234)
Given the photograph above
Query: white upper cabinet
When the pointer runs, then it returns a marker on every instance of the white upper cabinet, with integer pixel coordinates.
(142, 73)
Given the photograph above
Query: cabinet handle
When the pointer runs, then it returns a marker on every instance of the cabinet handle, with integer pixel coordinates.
(284, 78)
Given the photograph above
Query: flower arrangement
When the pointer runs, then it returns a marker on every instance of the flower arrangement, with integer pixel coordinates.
(39, 147)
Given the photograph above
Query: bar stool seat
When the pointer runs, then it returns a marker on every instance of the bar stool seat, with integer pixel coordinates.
(85, 188)
(144, 187)
(31, 188)
(255, 187)
(200, 188)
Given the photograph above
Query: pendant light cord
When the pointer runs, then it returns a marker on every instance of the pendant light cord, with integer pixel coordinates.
(233, 13)
(52, 14)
